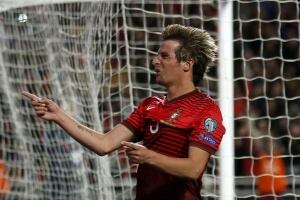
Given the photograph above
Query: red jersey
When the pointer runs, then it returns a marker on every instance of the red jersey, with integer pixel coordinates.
(169, 128)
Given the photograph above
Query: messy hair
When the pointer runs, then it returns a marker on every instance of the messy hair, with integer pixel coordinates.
(195, 44)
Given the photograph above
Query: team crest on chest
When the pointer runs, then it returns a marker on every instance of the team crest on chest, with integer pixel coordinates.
(174, 115)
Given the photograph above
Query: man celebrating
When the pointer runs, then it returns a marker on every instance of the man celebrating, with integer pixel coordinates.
(179, 131)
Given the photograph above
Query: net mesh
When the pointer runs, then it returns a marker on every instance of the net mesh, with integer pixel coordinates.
(267, 103)
(94, 59)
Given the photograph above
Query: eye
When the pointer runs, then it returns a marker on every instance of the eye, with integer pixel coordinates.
(164, 55)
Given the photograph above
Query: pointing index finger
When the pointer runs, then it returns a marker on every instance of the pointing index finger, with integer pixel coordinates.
(30, 96)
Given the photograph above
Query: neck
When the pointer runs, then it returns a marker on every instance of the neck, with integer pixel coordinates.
(176, 91)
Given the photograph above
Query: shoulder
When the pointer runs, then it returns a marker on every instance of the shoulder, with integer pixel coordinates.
(204, 107)
(201, 100)
(152, 100)
(203, 96)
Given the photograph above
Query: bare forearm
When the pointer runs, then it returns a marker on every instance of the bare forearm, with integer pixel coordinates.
(84, 135)
(183, 167)
(190, 167)
(98, 142)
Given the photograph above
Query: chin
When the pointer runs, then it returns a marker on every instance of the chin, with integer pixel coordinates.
(159, 81)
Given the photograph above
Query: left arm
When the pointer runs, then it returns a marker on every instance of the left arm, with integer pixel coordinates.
(190, 167)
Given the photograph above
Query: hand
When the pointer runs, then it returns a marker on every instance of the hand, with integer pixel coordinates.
(137, 153)
(44, 108)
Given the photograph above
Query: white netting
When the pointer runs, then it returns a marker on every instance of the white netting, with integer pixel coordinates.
(267, 99)
(54, 50)
(93, 58)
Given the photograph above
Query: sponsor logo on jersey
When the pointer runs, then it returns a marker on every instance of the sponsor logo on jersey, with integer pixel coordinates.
(150, 107)
(209, 139)
(210, 125)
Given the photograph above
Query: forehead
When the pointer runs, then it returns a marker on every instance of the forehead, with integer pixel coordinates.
(168, 46)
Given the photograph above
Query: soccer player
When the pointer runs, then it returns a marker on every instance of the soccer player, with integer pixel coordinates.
(179, 131)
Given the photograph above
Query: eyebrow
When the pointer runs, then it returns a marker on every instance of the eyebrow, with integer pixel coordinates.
(163, 53)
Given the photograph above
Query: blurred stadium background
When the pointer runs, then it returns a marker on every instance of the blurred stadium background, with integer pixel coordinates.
(93, 58)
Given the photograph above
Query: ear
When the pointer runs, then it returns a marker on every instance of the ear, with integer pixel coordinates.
(188, 65)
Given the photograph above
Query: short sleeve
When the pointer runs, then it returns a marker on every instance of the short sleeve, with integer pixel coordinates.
(209, 130)
(135, 121)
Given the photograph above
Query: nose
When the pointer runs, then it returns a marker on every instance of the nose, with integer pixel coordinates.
(155, 60)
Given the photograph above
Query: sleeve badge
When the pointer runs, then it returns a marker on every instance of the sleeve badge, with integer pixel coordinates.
(210, 125)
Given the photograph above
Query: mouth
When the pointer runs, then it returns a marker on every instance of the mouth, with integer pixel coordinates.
(157, 73)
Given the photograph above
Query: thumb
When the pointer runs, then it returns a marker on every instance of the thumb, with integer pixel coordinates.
(132, 145)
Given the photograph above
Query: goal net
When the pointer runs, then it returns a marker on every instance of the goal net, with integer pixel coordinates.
(94, 59)
(267, 99)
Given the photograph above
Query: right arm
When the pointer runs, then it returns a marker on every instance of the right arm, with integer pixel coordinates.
(98, 142)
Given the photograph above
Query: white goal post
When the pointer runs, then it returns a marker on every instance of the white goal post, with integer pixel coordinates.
(225, 77)
(93, 57)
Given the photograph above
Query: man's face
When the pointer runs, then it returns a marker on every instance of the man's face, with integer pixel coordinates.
(168, 69)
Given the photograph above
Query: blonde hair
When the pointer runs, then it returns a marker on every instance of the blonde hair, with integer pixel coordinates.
(195, 44)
